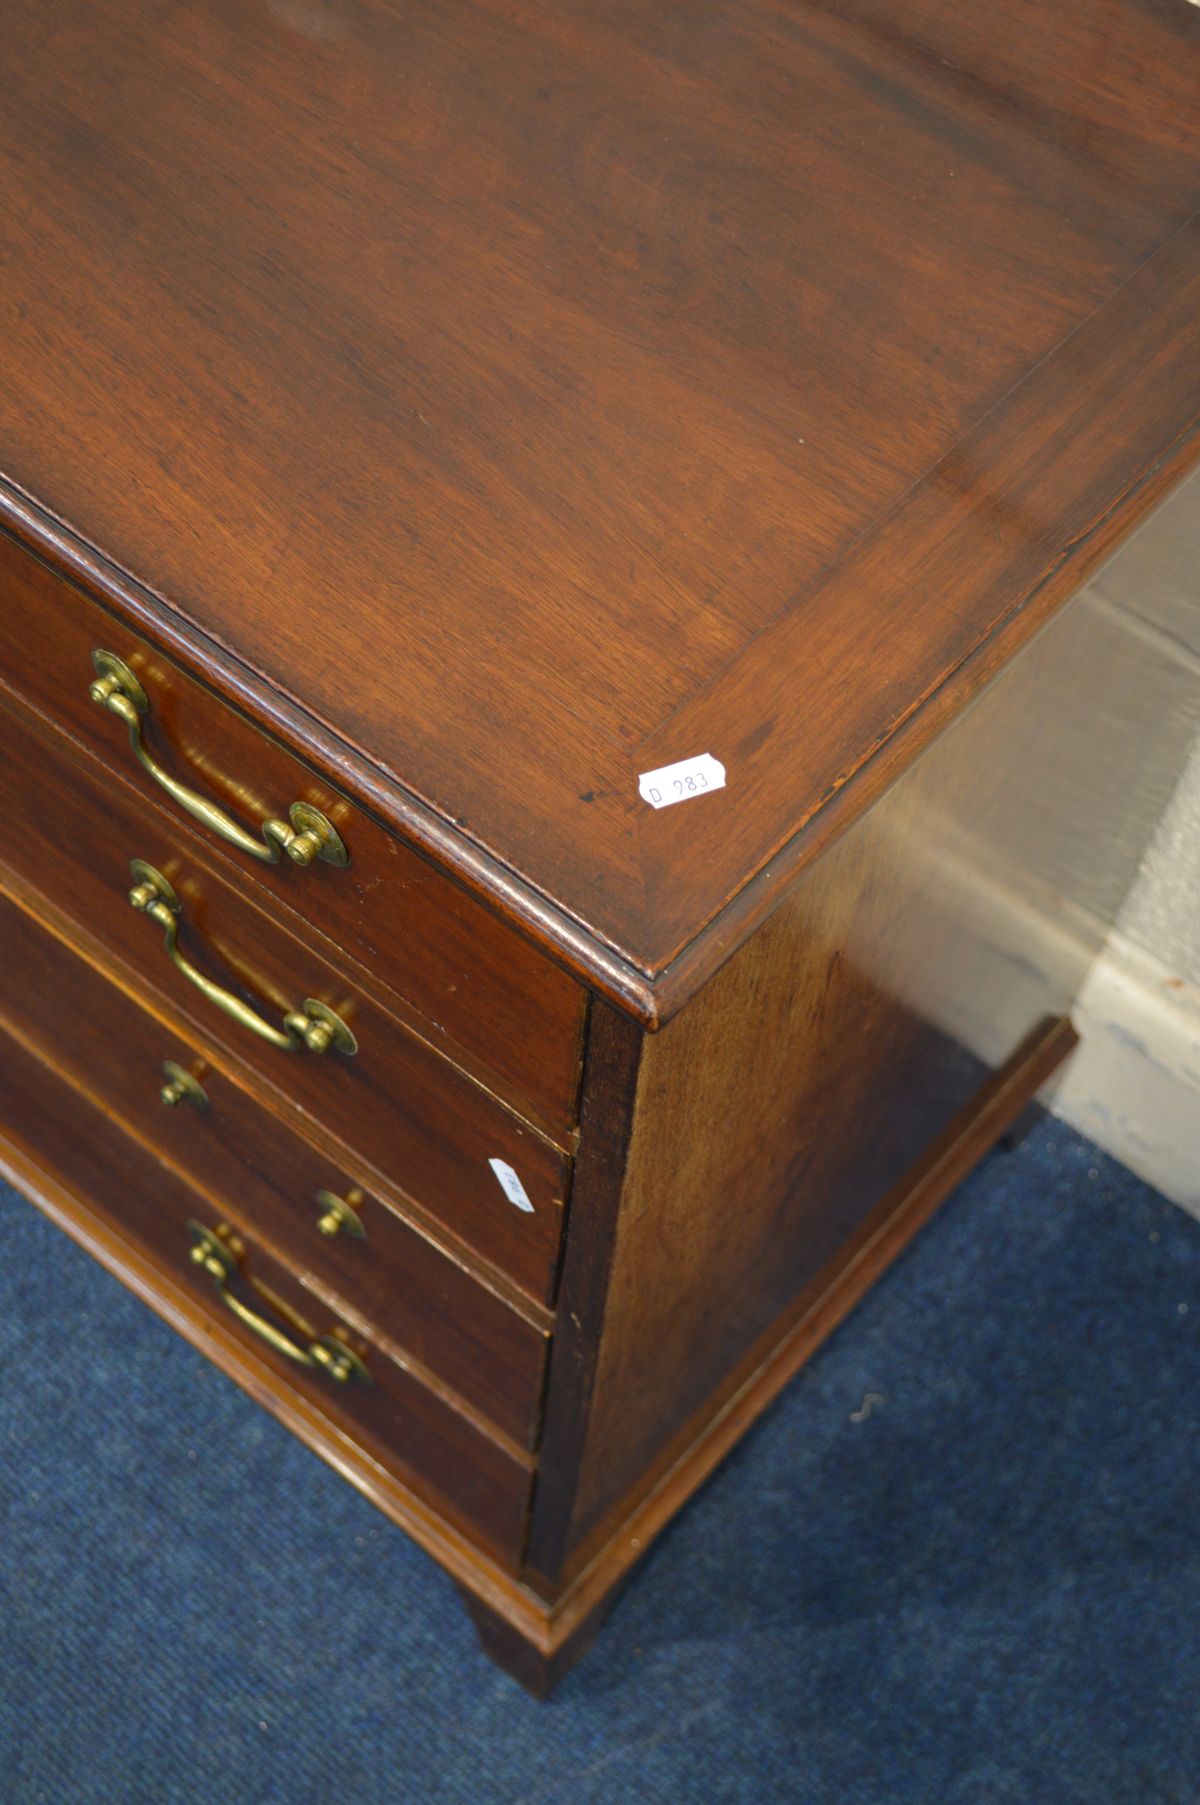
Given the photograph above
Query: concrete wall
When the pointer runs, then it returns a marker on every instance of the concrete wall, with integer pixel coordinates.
(1098, 868)
(1155, 587)
(1134, 1086)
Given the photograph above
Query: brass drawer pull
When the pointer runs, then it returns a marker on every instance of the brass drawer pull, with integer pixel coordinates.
(315, 1026)
(310, 836)
(327, 1353)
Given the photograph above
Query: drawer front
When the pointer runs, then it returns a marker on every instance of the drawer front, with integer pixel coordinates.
(410, 1114)
(482, 988)
(118, 1185)
(268, 1180)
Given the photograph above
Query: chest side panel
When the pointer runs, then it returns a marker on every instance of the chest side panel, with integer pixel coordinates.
(791, 1109)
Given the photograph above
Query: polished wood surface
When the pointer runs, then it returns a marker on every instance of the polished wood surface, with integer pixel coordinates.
(782, 1116)
(525, 397)
(452, 413)
(585, 1589)
(474, 983)
(393, 1283)
(535, 1627)
(395, 1421)
(404, 1111)
(615, 1050)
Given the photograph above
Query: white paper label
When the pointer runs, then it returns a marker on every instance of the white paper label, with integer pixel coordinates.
(680, 782)
(511, 1185)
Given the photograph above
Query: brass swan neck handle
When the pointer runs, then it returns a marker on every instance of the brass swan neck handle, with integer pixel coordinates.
(314, 1025)
(310, 836)
(216, 1252)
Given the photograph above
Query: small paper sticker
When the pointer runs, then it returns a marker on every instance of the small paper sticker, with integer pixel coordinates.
(680, 782)
(511, 1185)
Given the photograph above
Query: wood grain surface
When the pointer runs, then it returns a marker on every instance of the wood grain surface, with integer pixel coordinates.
(393, 1283)
(523, 397)
(405, 1429)
(601, 1566)
(476, 985)
(397, 1107)
(733, 1167)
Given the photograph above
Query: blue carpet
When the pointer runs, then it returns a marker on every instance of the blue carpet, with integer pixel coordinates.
(981, 1587)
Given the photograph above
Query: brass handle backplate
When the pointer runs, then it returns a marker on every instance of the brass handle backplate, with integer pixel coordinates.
(182, 1087)
(340, 1214)
(314, 1026)
(310, 836)
(218, 1252)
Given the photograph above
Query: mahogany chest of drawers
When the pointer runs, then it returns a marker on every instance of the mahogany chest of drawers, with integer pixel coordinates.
(543, 552)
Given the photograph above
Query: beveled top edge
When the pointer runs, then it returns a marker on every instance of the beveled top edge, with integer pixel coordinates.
(497, 403)
(1068, 464)
(59, 545)
(652, 1000)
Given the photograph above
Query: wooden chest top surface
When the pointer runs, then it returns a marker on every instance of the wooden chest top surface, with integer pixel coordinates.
(525, 396)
